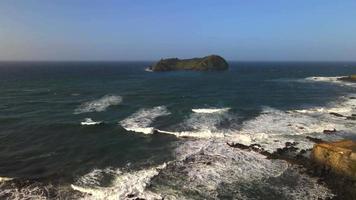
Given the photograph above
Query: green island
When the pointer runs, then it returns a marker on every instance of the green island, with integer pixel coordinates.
(207, 63)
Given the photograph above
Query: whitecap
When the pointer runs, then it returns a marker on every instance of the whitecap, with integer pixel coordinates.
(210, 110)
(141, 120)
(89, 121)
(148, 69)
(202, 125)
(99, 105)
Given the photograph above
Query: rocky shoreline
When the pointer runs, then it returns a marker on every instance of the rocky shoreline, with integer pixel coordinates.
(351, 78)
(342, 184)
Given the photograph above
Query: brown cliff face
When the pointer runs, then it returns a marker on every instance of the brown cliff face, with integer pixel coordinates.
(339, 156)
(208, 63)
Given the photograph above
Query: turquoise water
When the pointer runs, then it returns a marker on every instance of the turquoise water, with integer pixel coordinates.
(42, 105)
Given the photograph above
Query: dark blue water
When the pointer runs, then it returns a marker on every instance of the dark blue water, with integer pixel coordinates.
(41, 136)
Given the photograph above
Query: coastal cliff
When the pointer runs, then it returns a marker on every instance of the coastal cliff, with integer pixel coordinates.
(208, 63)
(339, 156)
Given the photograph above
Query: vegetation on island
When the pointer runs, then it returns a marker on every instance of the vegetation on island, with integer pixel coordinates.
(208, 63)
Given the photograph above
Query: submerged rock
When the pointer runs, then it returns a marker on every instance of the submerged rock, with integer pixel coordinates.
(315, 140)
(329, 131)
(351, 78)
(212, 62)
(336, 114)
(339, 156)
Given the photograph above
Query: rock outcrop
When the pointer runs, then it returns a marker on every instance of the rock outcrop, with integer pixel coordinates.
(351, 78)
(208, 63)
(339, 157)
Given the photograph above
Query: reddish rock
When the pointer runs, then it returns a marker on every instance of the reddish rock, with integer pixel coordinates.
(339, 156)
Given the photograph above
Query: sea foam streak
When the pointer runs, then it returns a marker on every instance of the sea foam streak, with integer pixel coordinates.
(207, 168)
(210, 110)
(142, 119)
(99, 105)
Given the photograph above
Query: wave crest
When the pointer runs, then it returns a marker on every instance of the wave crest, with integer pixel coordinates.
(210, 110)
(99, 105)
(141, 120)
(202, 125)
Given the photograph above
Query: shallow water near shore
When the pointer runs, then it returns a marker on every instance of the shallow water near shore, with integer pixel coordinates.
(164, 135)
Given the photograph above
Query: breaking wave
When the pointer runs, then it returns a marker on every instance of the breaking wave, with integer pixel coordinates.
(89, 121)
(210, 169)
(142, 119)
(203, 125)
(205, 169)
(210, 110)
(273, 128)
(99, 105)
(125, 185)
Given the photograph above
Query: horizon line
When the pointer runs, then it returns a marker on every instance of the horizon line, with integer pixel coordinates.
(157, 60)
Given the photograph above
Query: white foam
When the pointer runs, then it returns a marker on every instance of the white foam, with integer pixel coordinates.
(89, 121)
(142, 119)
(202, 125)
(4, 179)
(273, 127)
(323, 78)
(333, 79)
(210, 110)
(124, 184)
(148, 69)
(99, 105)
(208, 166)
(31, 191)
(195, 134)
(344, 106)
(273, 121)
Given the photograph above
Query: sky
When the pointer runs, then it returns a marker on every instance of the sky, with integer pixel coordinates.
(241, 30)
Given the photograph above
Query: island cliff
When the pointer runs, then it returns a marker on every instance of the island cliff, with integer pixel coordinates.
(208, 63)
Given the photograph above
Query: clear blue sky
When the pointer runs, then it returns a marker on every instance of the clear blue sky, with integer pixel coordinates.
(148, 29)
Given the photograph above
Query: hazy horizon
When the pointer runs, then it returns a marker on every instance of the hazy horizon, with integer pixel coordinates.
(147, 31)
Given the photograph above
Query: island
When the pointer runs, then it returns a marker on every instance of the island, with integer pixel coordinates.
(351, 78)
(207, 63)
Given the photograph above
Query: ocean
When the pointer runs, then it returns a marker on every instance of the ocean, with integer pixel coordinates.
(111, 130)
